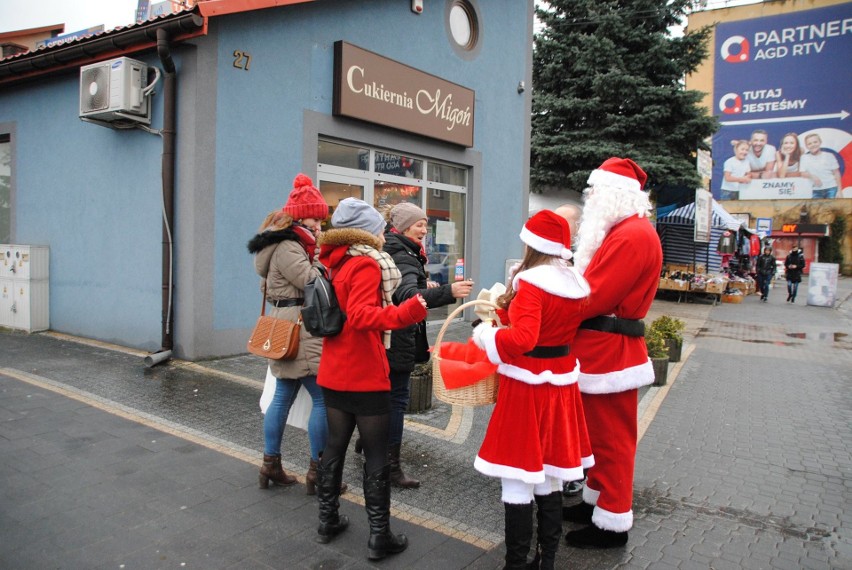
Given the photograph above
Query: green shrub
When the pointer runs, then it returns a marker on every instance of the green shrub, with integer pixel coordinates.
(655, 343)
(669, 327)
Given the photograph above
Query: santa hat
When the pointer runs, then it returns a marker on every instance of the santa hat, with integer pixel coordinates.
(619, 173)
(305, 200)
(548, 233)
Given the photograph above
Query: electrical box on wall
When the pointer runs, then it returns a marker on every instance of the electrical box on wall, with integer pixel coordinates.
(24, 287)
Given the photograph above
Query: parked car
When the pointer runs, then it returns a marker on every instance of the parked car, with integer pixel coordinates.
(437, 266)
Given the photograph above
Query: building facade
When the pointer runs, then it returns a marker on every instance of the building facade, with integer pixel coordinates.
(354, 94)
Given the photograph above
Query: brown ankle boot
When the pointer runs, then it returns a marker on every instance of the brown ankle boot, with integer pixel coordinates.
(311, 480)
(397, 477)
(271, 470)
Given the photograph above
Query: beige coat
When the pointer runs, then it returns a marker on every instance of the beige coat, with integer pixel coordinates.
(286, 269)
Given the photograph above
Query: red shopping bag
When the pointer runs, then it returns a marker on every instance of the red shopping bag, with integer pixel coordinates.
(463, 364)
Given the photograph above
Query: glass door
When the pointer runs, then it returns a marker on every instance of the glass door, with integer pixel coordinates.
(336, 187)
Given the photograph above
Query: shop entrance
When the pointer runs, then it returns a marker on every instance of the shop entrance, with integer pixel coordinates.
(385, 178)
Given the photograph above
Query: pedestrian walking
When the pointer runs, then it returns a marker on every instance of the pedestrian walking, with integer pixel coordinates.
(765, 267)
(794, 264)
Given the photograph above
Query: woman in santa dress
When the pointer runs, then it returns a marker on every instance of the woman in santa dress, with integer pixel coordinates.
(537, 438)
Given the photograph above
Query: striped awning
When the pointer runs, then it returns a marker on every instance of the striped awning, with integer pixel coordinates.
(685, 215)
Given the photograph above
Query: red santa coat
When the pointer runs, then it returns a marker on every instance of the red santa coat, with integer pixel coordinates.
(537, 427)
(355, 360)
(623, 274)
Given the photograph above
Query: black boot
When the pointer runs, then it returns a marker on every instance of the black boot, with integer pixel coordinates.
(397, 477)
(595, 537)
(329, 477)
(579, 513)
(377, 502)
(549, 517)
(519, 530)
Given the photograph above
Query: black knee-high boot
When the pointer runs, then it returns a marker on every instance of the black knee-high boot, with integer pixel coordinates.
(377, 498)
(519, 530)
(329, 476)
(549, 517)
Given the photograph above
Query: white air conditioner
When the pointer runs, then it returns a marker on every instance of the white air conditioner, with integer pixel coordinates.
(116, 90)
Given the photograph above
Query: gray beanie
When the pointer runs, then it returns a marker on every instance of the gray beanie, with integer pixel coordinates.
(355, 213)
(405, 214)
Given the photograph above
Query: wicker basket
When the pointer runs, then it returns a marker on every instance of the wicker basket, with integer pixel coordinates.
(483, 392)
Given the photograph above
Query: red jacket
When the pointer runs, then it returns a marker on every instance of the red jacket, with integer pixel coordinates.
(623, 274)
(355, 359)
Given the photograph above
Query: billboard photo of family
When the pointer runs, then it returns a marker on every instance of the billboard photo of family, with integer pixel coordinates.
(782, 100)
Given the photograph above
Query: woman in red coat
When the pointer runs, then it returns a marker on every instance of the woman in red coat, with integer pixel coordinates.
(353, 370)
(537, 437)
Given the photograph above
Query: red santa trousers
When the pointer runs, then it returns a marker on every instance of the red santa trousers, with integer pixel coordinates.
(611, 420)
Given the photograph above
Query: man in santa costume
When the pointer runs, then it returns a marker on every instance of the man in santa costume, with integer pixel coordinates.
(619, 254)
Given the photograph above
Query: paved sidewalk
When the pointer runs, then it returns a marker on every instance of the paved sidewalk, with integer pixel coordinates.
(745, 459)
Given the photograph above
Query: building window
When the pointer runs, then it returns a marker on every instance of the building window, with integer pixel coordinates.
(5, 188)
(462, 25)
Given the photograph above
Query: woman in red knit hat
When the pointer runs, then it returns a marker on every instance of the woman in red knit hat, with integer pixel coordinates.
(285, 258)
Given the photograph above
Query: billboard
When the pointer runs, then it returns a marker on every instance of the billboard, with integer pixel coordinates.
(782, 90)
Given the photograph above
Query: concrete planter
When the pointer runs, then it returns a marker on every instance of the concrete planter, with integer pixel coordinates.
(674, 346)
(420, 389)
(661, 370)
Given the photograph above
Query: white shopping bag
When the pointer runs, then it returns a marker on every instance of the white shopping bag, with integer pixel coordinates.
(300, 411)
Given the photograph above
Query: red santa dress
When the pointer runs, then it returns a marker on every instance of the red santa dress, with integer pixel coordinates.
(537, 427)
(623, 275)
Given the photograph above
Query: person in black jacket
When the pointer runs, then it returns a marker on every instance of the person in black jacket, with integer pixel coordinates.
(765, 267)
(407, 227)
(793, 266)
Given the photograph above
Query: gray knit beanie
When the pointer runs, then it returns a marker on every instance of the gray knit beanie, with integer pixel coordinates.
(405, 214)
(355, 213)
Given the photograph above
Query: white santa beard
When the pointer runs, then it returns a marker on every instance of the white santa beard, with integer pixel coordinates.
(604, 207)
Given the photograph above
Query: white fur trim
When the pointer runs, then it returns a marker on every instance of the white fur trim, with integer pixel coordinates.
(557, 279)
(547, 246)
(588, 462)
(590, 496)
(550, 485)
(616, 522)
(544, 377)
(617, 381)
(608, 178)
(488, 337)
(516, 492)
(570, 474)
(506, 472)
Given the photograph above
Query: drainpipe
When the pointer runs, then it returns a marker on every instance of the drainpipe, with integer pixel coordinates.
(168, 132)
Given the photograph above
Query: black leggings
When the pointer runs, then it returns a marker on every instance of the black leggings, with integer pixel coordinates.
(374, 437)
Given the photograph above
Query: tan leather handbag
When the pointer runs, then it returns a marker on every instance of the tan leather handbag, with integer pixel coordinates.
(273, 338)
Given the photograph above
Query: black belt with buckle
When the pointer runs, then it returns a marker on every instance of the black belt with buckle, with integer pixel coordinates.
(549, 351)
(627, 327)
(287, 302)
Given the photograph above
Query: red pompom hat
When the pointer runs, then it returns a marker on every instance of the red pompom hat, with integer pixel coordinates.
(619, 173)
(305, 200)
(548, 233)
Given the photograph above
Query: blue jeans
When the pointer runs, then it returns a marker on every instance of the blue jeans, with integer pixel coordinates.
(792, 288)
(399, 395)
(763, 282)
(825, 192)
(276, 415)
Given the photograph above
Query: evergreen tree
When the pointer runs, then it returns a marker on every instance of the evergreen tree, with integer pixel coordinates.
(608, 81)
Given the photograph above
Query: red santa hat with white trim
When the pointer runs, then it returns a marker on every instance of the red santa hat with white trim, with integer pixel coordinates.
(548, 233)
(619, 173)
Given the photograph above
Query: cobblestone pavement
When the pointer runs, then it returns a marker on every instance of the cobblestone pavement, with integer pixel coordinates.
(745, 459)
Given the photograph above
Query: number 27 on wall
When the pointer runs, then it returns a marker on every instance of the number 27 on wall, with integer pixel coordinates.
(242, 60)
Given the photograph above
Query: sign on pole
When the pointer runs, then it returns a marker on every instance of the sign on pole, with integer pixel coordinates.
(703, 215)
(764, 226)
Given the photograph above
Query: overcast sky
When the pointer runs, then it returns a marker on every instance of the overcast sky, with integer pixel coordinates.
(75, 14)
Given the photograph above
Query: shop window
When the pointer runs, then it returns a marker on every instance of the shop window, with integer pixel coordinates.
(446, 174)
(5, 188)
(336, 154)
(397, 165)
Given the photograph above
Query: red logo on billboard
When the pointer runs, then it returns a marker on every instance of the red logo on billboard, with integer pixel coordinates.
(735, 49)
(731, 104)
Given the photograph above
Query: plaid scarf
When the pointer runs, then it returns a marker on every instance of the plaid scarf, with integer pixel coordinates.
(390, 276)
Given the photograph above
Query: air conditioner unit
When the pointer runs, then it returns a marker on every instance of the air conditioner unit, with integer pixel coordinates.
(115, 90)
